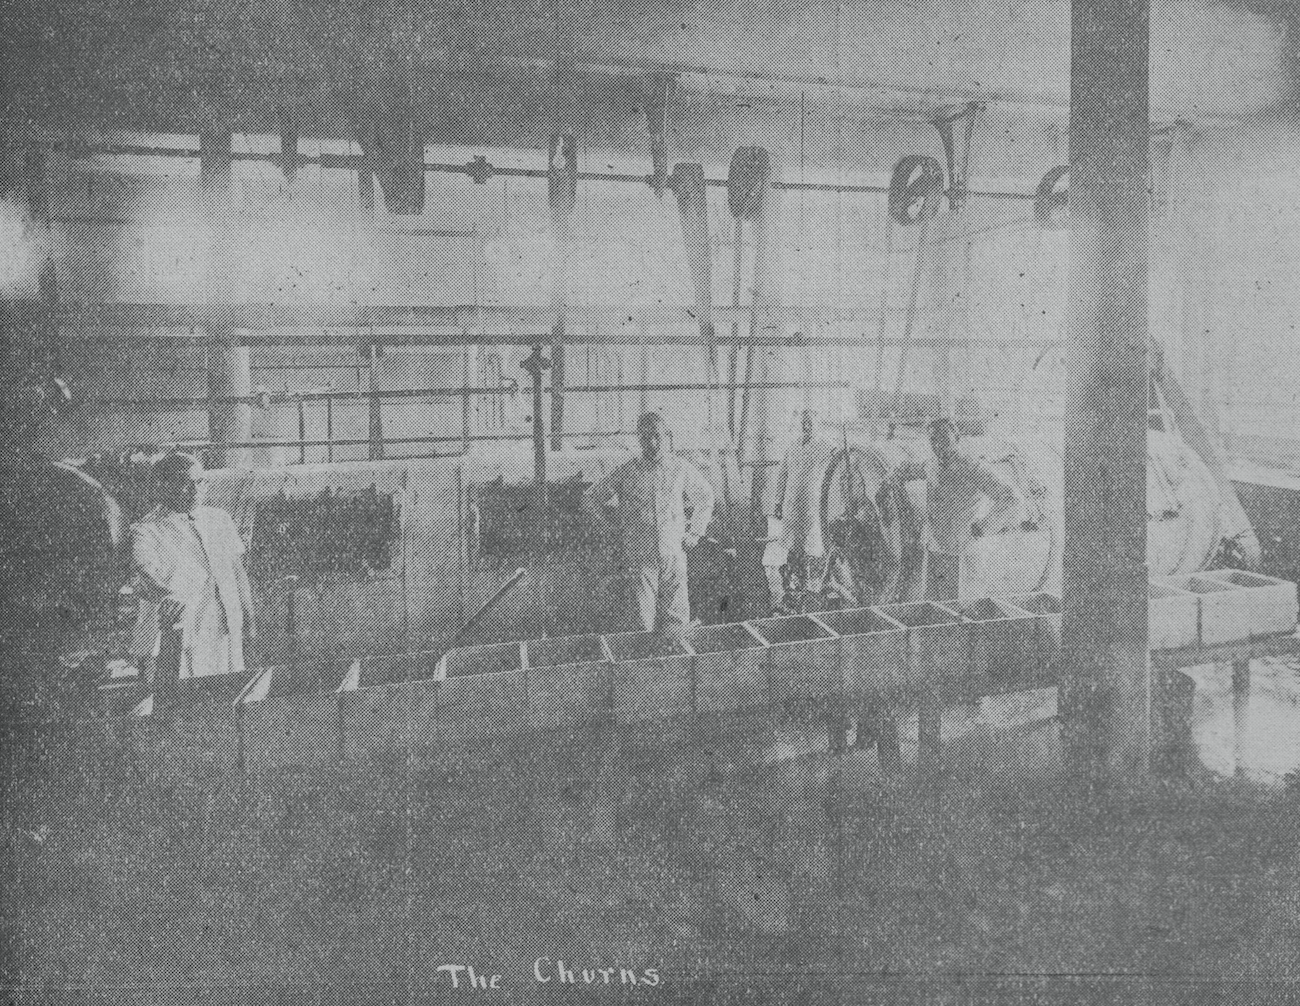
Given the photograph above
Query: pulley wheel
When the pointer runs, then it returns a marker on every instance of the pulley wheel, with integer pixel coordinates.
(1051, 201)
(915, 188)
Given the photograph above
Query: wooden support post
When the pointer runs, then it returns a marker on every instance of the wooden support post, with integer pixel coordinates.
(229, 371)
(535, 364)
(1106, 688)
(1240, 707)
(376, 427)
(766, 255)
(929, 739)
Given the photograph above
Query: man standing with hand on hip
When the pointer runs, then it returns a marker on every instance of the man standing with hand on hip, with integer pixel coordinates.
(662, 507)
(955, 486)
(190, 560)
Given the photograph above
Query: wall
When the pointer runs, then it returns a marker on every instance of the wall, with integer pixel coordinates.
(130, 229)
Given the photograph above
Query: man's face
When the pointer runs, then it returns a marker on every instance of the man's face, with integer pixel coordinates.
(943, 440)
(652, 439)
(180, 490)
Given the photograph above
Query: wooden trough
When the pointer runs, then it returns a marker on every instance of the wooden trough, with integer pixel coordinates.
(327, 712)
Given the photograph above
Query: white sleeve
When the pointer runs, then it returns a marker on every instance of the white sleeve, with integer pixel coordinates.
(236, 540)
(699, 495)
(149, 561)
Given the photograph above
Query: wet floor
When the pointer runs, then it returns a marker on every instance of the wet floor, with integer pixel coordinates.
(1258, 741)
(1265, 745)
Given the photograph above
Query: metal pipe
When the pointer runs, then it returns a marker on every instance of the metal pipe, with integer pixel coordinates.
(376, 413)
(737, 235)
(300, 397)
(754, 386)
(485, 437)
(487, 606)
(329, 428)
(315, 339)
(476, 168)
(375, 320)
(329, 397)
(535, 364)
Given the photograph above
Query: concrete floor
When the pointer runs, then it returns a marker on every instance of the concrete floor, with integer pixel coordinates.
(755, 868)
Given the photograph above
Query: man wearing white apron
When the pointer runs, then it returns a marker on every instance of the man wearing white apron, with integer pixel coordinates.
(799, 508)
(190, 561)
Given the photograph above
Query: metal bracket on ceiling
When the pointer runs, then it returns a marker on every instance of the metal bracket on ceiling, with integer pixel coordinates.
(655, 88)
(958, 160)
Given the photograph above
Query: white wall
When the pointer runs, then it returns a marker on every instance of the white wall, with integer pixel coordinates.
(1223, 255)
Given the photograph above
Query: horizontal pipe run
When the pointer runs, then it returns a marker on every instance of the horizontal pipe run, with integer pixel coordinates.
(294, 397)
(352, 162)
(388, 325)
(314, 338)
(477, 438)
(299, 398)
(463, 318)
(768, 386)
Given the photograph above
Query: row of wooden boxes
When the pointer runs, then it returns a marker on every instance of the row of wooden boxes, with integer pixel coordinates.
(893, 654)
(326, 712)
(1219, 607)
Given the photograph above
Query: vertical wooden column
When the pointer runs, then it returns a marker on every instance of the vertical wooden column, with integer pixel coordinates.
(562, 192)
(229, 371)
(688, 186)
(1106, 681)
(563, 177)
(1194, 223)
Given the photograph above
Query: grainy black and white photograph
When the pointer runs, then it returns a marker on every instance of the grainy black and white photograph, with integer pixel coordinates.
(650, 502)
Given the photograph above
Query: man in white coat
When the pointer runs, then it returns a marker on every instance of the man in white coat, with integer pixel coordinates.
(190, 561)
(799, 508)
(664, 505)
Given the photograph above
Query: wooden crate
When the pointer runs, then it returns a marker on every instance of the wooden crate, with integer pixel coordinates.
(1003, 645)
(731, 671)
(192, 725)
(291, 717)
(873, 650)
(938, 646)
(482, 693)
(389, 710)
(568, 680)
(803, 658)
(1172, 616)
(1268, 605)
(1047, 608)
(652, 676)
(1223, 610)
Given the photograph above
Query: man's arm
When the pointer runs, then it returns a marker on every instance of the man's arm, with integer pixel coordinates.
(1004, 501)
(246, 599)
(598, 495)
(699, 496)
(242, 586)
(148, 562)
(909, 471)
(158, 609)
(782, 480)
